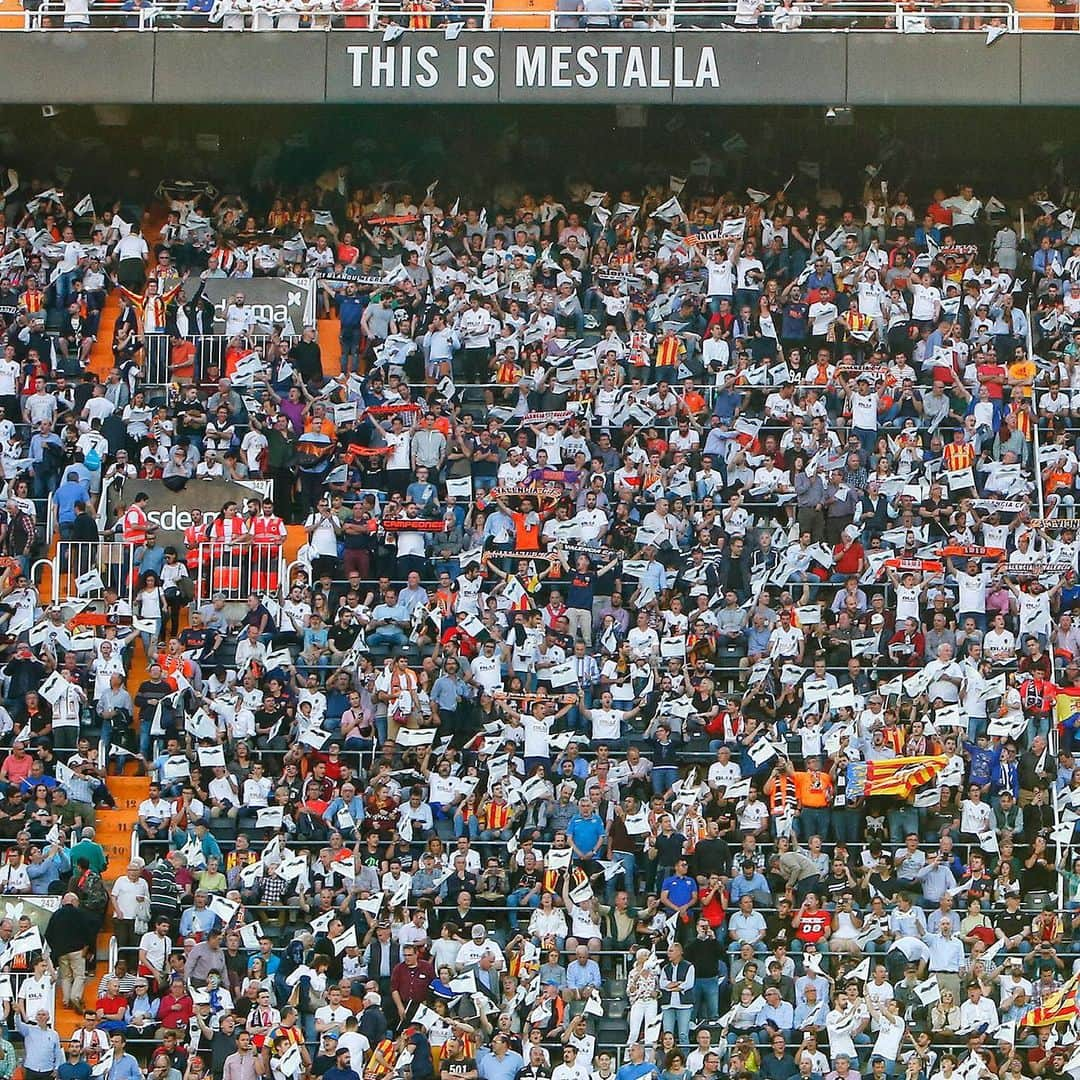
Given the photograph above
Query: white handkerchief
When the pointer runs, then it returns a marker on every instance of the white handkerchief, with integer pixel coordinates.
(224, 908)
(209, 756)
(269, 817)
(560, 860)
(346, 941)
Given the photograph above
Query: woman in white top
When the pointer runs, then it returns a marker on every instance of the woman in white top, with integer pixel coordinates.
(643, 991)
(150, 605)
(548, 921)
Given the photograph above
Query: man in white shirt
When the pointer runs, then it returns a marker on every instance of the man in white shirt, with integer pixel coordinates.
(715, 352)
(469, 954)
(926, 300)
(239, 317)
(978, 1011)
(872, 296)
(154, 815)
(129, 892)
(823, 313)
(476, 328)
(965, 209)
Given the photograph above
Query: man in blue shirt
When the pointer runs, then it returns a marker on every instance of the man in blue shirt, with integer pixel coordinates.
(777, 1015)
(498, 1063)
(587, 835)
(388, 622)
(341, 1069)
(654, 576)
(637, 1067)
(42, 1045)
(124, 1066)
(74, 1068)
(44, 468)
(350, 304)
(751, 882)
(679, 891)
(71, 491)
(583, 975)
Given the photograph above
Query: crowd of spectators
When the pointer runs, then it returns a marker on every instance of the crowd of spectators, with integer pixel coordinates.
(639, 540)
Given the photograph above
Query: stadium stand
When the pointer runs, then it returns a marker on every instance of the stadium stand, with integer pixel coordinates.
(576, 638)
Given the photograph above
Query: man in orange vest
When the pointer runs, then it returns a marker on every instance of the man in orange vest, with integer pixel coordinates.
(136, 528)
(267, 533)
(136, 525)
(198, 550)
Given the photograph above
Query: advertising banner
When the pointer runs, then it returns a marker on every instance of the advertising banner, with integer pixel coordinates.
(284, 301)
(170, 511)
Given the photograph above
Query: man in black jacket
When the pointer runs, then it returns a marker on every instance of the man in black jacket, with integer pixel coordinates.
(84, 527)
(67, 934)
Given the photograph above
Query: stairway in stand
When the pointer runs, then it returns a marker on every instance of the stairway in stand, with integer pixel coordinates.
(114, 828)
(101, 356)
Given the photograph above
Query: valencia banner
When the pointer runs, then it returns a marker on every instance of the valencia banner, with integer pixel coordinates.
(898, 777)
(1059, 1006)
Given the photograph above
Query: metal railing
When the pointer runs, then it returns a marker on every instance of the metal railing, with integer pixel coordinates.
(266, 15)
(236, 571)
(82, 570)
(210, 351)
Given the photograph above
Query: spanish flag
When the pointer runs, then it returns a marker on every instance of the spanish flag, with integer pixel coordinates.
(1059, 1006)
(896, 776)
(1067, 705)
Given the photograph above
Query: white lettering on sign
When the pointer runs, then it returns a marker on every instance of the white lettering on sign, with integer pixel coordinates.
(563, 67)
(403, 67)
(559, 67)
(264, 314)
(474, 66)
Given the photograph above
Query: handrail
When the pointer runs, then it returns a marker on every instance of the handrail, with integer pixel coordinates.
(256, 16)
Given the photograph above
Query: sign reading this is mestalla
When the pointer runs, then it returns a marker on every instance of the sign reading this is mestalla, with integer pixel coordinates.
(558, 66)
(529, 67)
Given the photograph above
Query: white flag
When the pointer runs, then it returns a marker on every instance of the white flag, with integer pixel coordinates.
(84, 207)
(670, 210)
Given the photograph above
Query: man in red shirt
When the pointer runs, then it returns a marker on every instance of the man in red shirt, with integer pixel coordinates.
(176, 1007)
(942, 215)
(992, 375)
(411, 980)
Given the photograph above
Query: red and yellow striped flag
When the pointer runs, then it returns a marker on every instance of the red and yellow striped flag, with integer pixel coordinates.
(1060, 1005)
(894, 776)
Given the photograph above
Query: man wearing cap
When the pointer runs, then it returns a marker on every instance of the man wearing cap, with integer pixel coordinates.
(326, 1055)
(342, 1066)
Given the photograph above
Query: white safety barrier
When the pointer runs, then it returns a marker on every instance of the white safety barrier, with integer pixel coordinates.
(83, 569)
(246, 16)
(235, 571)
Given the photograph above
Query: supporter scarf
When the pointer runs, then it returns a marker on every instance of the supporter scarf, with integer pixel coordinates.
(970, 551)
(412, 525)
(932, 566)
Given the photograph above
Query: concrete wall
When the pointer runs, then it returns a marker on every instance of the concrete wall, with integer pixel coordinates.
(531, 67)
